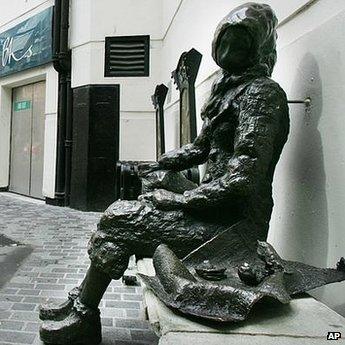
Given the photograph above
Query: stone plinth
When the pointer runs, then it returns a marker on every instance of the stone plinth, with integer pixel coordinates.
(303, 321)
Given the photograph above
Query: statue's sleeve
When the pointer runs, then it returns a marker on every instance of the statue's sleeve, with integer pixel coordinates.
(188, 155)
(260, 122)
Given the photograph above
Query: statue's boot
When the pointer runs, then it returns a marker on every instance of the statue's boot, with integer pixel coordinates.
(56, 312)
(82, 325)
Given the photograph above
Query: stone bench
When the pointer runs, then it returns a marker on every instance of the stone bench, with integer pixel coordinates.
(303, 321)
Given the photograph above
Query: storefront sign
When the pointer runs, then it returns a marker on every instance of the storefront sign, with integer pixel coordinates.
(22, 105)
(28, 44)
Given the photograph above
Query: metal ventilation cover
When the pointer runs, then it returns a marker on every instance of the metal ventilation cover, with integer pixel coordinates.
(127, 56)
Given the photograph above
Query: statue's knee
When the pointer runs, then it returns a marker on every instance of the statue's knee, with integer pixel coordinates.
(121, 210)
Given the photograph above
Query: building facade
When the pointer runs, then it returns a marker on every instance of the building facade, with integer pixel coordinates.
(309, 192)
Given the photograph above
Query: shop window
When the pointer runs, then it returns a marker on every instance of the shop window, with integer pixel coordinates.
(127, 56)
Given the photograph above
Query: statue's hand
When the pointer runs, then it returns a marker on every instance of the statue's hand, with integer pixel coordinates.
(164, 200)
(146, 198)
(146, 168)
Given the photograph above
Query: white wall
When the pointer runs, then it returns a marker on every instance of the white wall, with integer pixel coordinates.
(309, 191)
(16, 11)
(91, 22)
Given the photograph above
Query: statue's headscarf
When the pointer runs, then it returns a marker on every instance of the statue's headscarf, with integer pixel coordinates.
(260, 22)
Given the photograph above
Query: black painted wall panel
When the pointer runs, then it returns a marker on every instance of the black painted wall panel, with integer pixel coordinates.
(96, 114)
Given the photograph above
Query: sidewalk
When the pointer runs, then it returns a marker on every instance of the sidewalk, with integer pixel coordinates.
(58, 238)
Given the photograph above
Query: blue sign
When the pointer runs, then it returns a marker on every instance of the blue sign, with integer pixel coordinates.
(28, 44)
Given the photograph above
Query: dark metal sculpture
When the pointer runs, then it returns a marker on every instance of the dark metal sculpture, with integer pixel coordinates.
(128, 184)
(158, 99)
(184, 77)
(246, 125)
(235, 274)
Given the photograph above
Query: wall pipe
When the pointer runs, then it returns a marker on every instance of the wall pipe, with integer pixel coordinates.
(68, 139)
(62, 64)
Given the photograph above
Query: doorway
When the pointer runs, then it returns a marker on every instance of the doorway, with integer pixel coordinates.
(27, 140)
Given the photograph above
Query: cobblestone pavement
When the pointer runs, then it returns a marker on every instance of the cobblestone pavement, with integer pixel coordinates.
(58, 237)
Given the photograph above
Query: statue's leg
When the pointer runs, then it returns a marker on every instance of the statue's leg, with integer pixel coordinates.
(80, 323)
(126, 228)
(78, 319)
(94, 286)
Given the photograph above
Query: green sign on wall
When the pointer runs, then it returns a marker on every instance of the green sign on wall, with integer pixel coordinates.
(22, 105)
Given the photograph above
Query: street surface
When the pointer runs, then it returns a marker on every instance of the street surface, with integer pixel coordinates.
(42, 256)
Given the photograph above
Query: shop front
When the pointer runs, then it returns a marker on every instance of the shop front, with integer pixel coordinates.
(27, 79)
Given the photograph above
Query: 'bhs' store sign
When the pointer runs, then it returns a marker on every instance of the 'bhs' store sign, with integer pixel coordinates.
(27, 45)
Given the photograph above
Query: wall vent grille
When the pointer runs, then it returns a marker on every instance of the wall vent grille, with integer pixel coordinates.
(127, 56)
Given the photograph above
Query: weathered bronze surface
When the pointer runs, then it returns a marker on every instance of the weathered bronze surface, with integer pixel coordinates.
(246, 125)
(184, 76)
(252, 272)
(158, 99)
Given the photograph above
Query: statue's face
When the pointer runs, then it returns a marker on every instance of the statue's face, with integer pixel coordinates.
(234, 49)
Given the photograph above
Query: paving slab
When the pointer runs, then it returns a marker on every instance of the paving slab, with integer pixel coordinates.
(55, 260)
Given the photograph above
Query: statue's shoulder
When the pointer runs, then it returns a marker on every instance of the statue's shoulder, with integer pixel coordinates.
(267, 88)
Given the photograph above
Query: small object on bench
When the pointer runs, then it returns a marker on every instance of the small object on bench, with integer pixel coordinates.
(304, 321)
(129, 278)
(251, 275)
(232, 298)
(210, 272)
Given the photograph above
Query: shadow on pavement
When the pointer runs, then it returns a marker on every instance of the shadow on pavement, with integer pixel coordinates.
(12, 254)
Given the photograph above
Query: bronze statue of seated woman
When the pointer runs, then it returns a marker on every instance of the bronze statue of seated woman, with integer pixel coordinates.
(246, 125)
